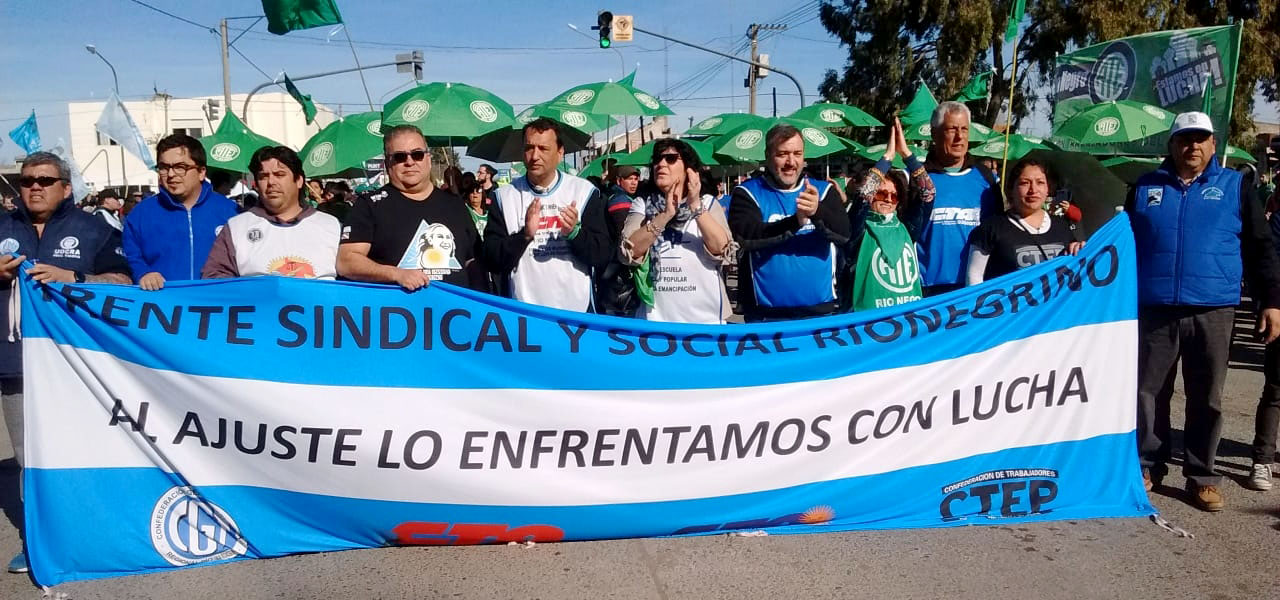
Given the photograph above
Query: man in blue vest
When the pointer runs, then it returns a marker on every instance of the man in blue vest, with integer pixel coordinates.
(789, 227)
(965, 195)
(1199, 232)
(68, 245)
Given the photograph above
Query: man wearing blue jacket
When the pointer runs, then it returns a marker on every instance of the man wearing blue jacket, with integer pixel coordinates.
(168, 236)
(68, 245)
(789, 227)
(1199, 232)
(965, 194)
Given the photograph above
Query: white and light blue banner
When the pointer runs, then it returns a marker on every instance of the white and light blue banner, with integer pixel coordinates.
(253, 418)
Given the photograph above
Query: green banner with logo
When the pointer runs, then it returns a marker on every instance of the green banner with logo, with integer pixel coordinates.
(1167, 69)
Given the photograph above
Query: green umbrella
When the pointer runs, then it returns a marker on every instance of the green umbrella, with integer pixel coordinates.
(1019, 146)
(565, 115)
(1235, 154)
(746, 143)
(644, 154)
(596, 167)
(724, 123)
(563, 167)
(343, 146)
(507, 144)
(1114, 122)
(610, 98)
(1130, 168)
(231, 147)
(448, 113)
(922, 132)
(876, 152)
(828, 114)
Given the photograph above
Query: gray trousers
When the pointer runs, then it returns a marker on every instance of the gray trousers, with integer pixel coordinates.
(1201, 338)
(1267, 417)
(11, 398)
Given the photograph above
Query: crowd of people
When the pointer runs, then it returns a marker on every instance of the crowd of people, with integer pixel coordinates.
(657, 248)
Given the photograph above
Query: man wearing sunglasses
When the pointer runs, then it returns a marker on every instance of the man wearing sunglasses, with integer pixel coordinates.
(68, 245)
(168, 236)
(547, 230)
(789, 227)
(410, 232)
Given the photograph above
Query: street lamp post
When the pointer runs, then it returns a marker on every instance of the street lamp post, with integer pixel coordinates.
(124, 176)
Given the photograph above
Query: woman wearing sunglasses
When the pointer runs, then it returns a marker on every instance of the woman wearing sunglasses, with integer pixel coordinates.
(880, 266)
(677, 240)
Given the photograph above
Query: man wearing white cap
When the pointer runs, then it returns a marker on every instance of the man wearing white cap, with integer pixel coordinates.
(1199, 232)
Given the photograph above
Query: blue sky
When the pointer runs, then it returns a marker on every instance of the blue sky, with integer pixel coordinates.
(522, 51)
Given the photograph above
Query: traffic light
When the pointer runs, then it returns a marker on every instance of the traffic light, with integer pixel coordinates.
(604, 23)
(417, 65)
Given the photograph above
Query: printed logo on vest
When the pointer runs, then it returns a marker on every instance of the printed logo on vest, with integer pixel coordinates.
(1213, 193)
(900, 279)
(292, 266)
(68, 247)
(186, 531)
(254, 235)
(8, 246)
(1154, 196)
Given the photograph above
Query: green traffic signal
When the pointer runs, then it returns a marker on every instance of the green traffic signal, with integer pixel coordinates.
(605, 42)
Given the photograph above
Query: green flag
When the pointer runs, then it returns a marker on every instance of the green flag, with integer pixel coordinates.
(1165, 69)
(1016, 10)
(308, 107)
(629, 79)
(920, 110)
(978, 88)
(284, 16)
(1206, 106)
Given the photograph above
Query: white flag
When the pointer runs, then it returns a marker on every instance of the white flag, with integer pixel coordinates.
(116, 124)
(79, 190)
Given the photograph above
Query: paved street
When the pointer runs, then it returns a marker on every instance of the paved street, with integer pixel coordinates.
(1235, 554)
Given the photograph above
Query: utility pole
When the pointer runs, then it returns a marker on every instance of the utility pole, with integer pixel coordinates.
(753, 73)
(226, 66)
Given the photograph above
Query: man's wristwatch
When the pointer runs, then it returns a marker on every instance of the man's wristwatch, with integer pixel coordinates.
(79, 276)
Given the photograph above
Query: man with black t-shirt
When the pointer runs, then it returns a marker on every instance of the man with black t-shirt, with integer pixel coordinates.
(409, 232)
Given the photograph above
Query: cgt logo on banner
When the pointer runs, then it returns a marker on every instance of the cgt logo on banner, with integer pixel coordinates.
(188, 429)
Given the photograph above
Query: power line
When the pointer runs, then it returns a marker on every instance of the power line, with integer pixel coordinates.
(171, 15)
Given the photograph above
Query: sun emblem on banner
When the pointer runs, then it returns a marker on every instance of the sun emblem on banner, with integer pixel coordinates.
(818, 515)
(292, 266)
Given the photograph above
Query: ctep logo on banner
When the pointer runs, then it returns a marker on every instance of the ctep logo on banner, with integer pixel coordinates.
(205, 423)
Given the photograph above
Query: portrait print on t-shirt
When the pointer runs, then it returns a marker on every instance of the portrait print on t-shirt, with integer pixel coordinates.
(431, 250)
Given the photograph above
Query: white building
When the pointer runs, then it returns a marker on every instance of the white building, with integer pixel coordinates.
(275, 115)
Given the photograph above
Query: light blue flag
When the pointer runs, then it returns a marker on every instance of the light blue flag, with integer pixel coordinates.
(27, 135)
(116, 124)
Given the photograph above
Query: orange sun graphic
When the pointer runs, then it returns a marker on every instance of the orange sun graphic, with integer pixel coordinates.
(818, 515)
(292, 266)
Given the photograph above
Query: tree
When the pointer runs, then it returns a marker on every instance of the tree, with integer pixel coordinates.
(1062, 24)
(894, 43)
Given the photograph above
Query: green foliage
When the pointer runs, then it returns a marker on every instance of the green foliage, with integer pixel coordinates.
(892, 43)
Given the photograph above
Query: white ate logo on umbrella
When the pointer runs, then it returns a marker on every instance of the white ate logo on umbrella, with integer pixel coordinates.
(649, 101)
(374, 127)
(709, 123)
(1155, 112)
(1106, 126)
(580, 97)
(484, 111)
(415, 110)
(525, 117)
(748, 139)
(573, 118)
(320, 154)
(225, 152)
(830, 115)
(815, 136)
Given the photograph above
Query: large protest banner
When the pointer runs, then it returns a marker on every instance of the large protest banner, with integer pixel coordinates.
(250, 418)
(1167, 69)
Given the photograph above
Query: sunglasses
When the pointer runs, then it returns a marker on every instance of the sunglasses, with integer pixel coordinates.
(884, 196)
(402, 157)
(29, 181)
(667, 158)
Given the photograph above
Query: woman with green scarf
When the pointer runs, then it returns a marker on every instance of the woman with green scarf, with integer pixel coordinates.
(677, 239)
(880, 267)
